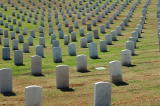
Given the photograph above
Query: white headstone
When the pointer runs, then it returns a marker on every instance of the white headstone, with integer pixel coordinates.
(102, 94)
(83, 42)
(57, 55)
(115, 71)
(25, 48)
(40, 50)
(108, 39)
(62, 76)
(72, 49)
(130, 46)
(36, 65)
(82, 63)
(33, 95)
(6, 53)
(5, 80)
(126, 57)
(15, 44)
(18, 57)
(93, 50)
(103, 46)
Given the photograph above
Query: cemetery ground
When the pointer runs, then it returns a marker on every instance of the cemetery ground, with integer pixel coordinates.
(143, 78)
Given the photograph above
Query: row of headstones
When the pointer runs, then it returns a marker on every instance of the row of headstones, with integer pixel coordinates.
(60, 25)
(82, 33)
(12, 30)
(106, 87)
(10, 26)
(34, 96)
(18, 28)
(108, 40)
(93, 51)
(131, 44)
(33, 93)
(21, 10)
(21, 40)
(102, 28)
(101, 86)
(92, 54)
(56, 48)
(54, 2)
(27, 5)
(41, 30)
(113, 35)
(81, 62)
(102, 94)
(51, 31)
(14, 21)
(76, 22)
(66, 22)
(18, 16)
(64, 40)
(84, 8)
(71, 28)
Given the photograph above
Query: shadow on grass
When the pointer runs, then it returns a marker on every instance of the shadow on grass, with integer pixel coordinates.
(43, 57)
(9, 94)
(135, 55)
(122, 83)
(58, 61)
(39, 75)
(67, 89)
(86, 71)
(115, 40)
(104, 32)
(131, 65)
(95, 57)
(121, 35)
(7, 59)
(20, 64)
(111, 44)
(27, 52)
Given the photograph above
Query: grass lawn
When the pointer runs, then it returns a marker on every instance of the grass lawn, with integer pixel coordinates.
(143, 79)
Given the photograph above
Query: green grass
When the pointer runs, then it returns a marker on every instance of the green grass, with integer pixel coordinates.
(143, 79)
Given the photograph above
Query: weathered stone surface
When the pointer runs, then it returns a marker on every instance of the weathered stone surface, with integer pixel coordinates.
(18, 57)
(6, 42)
(57, 55)
(55, 43)
(33, 95)
(72, 49)
(6, 53)
(15, 44)
(82, 63)
(102, 94)
(5, 80)
(36, 65)
(89, 37)
(130, 46)
(115, 71)
(126, 57)
(108, 39)
(93, 50)
(95, 33)
(40, 50)
(25, 48)
(62, 76)
(103, 46)
(83, 42)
